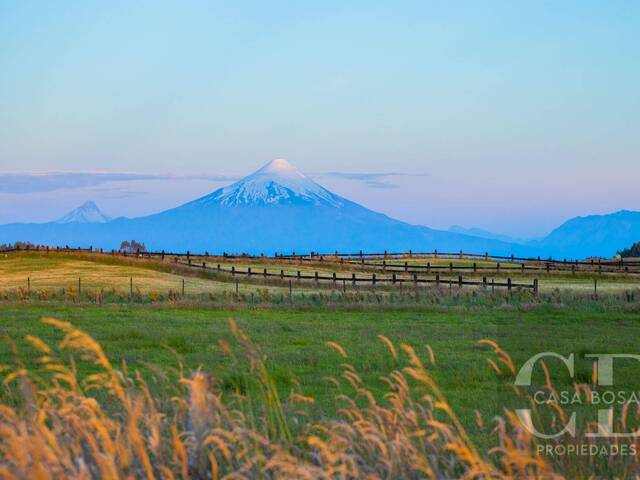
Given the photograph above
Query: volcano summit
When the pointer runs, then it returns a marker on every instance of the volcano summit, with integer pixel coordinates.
(276, 209)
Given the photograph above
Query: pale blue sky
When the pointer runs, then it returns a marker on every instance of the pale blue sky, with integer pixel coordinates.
(521, 113)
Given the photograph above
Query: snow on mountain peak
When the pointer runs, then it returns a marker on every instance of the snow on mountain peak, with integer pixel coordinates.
(88, 212)
(277, 182)
(280, 166)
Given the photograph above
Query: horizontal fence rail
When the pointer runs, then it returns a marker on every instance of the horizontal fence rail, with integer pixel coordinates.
(497, 267)
(314, 256)
(379, 261)
(354, 279)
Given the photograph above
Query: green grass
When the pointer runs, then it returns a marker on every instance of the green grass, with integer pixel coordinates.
(294, 344)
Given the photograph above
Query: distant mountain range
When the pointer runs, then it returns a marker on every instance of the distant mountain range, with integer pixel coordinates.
(278, 209)
(479, 232)
(593, 235)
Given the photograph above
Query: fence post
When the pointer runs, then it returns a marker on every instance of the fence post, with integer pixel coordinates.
(264, 272)
(316, 276)
(535, 286)
(460, 281)
(353, 278)
(438, 280)
(233, 269)
(163, 255)
(334, 277)
(131, 286)
(415, 278)
(484, 282)
(183, 287)
(393, 278)
(281, 274)
(248, 271)
(373, 278)
(451, 266)
(475, 267)
(299, 275)
(204, 265)
(509, 283)
(498, 266)
(79, 286)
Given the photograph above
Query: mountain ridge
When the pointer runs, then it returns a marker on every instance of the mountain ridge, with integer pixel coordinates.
(277, 209)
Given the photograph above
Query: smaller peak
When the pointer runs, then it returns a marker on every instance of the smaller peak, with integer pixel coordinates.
(88, 212)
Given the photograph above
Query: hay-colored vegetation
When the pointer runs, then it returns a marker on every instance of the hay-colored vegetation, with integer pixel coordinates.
(60, 423)
(55, 271)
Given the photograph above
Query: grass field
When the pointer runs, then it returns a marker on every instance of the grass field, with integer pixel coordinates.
(54, 272)
(294, 344)
(157, 335)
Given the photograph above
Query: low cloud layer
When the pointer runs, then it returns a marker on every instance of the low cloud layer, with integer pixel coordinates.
(18, 183)
(373, 180)
(25, 183)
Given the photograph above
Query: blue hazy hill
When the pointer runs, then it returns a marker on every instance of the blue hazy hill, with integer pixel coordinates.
(593, 235)
(276, 209)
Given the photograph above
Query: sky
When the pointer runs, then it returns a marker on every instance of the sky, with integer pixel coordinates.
(508, 116)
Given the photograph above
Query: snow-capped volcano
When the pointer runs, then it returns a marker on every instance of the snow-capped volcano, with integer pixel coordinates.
(275, 209)
(88, 212)
(278, 182)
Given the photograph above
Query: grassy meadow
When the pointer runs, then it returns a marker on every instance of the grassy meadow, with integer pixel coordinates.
(96, 272)
(294, 343)
(319, 384)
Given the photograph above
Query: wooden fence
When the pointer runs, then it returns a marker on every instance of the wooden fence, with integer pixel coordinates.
(497, 267)
(314, 256)
(354, 279)
(387, 262)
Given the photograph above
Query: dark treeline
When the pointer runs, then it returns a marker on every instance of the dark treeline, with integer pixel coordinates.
(17, 245)
(631, 252)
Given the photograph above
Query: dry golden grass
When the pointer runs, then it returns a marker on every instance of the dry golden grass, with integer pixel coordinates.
(107, 424)
(54, 272)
